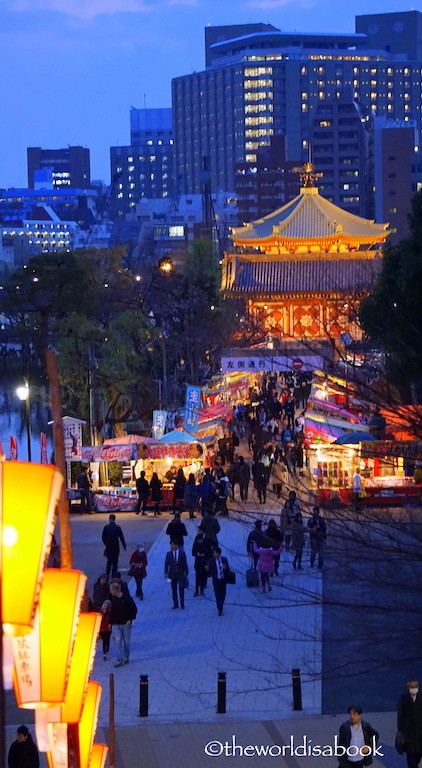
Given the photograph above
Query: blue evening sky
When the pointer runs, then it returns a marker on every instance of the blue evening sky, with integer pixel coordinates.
(71, 69)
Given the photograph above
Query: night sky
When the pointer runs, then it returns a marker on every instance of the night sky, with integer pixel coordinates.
(71, 69)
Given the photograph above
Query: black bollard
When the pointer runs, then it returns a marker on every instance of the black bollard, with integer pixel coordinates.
(221, 693)
(297, 690)
(143, 696)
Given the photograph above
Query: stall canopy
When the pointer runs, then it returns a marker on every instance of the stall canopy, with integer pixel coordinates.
(353, 438)
(130, 440)
(180, 436)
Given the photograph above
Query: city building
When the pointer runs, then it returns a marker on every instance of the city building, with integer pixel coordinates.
(263, 186)
(44, 230)
(68, 203)
(66, 167)
(340, 137)
(304, 269)
(145, 168)
(260, 82)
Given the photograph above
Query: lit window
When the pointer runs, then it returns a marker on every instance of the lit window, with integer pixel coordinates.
(257, 71)
(258, 84)
(250, 158)
(304, 107)
(304, 96)
(176, 231)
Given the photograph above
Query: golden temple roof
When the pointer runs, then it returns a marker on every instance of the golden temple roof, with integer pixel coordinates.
(310, 218)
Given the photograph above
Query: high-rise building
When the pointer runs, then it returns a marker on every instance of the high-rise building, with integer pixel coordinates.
(340, 135)
(262, 82)
(145, 168)
(66, 167)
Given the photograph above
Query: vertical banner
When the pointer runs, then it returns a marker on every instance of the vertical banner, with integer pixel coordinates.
(43, 448)
(72, 433)
(13, 455)
(159, 423)
(192, 406)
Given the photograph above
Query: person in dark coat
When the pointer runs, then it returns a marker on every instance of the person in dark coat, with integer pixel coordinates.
(219, 569)
(355, 732)
(84, 488)
(244, 474)
(206, 492)
(112, 534)
(101, 592)
(275, 539)
(177, 530)
(122, 613)
(318, 535)
(202, 552)
(261, 481)
(257, 536)
(23, 753)
(191, 497)
(156, 492)
(409, 722)
(179, 490)
(142, 487)
(211, 526)
(298, 540)
(176, 570)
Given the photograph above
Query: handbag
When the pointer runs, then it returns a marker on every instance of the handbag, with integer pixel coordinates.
(131, 571)
(399, 743)
(231, 577)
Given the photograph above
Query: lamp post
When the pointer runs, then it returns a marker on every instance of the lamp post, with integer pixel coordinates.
(23, 395)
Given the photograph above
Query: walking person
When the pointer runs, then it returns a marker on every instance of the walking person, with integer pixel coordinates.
(233, 476)
(176, 571)
(105, 627)
(357, 489)
(359, 738)
(101, 592)
(179, 491)
(84, 488)
(23, 753)
(177, 530)
(138, 568)
(291, 507)
(211, 526)
(265, 567)
(191, 496)
(111, 536)
(122, 612)
(409, 723)
(202, 552)
(261, 481)
(156, 493)
(275, 538)
(223, 490)
(255, 537)
(206, 492)
(219, 569)
(143, 489)
(317, 535)
(278, 477)
(298, 540)
(244, 476)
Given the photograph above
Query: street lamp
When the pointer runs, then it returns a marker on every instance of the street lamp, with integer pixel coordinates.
(23, 395)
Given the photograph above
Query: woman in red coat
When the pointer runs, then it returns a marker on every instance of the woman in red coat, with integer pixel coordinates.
(138, 568)
(265, 565)
(105, 627)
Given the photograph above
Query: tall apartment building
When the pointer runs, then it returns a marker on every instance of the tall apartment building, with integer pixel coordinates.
(340, 136)
(66, 167)
(145, 168)
(262, 82)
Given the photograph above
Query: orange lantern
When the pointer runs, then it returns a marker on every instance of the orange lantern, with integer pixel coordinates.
(88, 723)
(28, 497)
(42, 658)
(58, 754)
(98, 757)
(80, 669)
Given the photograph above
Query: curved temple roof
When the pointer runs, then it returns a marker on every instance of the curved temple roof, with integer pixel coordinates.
(307, 218)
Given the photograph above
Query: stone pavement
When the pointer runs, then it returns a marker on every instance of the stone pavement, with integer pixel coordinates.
(257, 642)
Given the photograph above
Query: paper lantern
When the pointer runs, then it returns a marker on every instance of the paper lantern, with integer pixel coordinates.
(28, 497)
(58, 754)
(42, 657)
(88, 723)
(80, 669)
(98, 757)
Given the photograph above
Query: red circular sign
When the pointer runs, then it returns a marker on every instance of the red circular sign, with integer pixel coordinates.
(297, 363)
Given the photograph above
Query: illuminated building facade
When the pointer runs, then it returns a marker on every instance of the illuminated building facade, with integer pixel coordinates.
(60, 168)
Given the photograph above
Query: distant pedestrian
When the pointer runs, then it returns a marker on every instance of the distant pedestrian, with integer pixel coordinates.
(207, 493)
(244, 475)
(123, 612)
(191, 496)
(317, 535)
(179, 491)
(219, 569)
(84, 488)
(274, 537)
(211, 526)
(138, 567)
(176, 571)
(223, 491)
(156, 487)
(233, 476)
(290, 509)
(202, 552)
(255, 537)
(111, 536)
(177, 530)
(265, 566)
(105, 627)
(409, 723)
(101, 592)
(23, 753)
(298, 540)
(278, 477)
(261, 480)
(143, 489)
(357, 489)
(359, 738)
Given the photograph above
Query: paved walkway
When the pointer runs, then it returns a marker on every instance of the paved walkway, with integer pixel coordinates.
(257, 642)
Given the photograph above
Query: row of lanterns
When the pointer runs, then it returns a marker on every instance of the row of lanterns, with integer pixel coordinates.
(48, 644)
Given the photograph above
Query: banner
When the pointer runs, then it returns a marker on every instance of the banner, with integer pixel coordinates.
(43, 449)
(106, 453)
(159, 419)
(192, 407)
(72, 433)
(174, 451)
(13, 453)
(407, 449)
(268, 364)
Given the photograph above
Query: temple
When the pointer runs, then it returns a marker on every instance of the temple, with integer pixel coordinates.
(304, 268)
